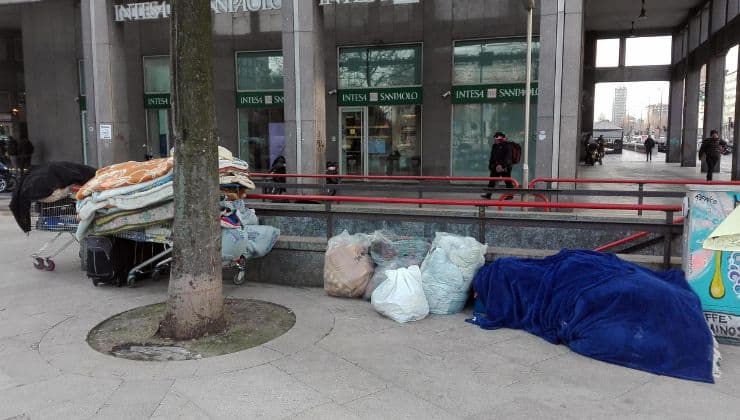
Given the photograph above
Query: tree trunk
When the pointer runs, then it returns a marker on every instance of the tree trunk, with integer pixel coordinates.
(195, 302)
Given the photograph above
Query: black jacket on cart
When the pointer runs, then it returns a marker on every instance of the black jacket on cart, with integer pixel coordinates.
(40, 182)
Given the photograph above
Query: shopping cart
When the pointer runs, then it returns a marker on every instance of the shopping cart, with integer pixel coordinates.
(155, 245)
(60, 217)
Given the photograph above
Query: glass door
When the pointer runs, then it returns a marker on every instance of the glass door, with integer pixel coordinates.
(158, 132)
(353, 140)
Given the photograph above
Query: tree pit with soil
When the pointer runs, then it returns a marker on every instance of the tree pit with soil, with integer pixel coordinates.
(132, 334)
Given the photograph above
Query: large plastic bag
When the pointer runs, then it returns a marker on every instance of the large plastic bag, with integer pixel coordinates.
(261, 239)
(390, 251)
(347, 265)
(249, 241)
(443, 283)
(449, 269)
(401, 297)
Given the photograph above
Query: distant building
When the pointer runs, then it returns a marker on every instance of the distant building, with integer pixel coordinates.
(619, 107)
(657, 118)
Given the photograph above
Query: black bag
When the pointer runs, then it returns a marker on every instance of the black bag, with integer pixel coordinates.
(110, 259)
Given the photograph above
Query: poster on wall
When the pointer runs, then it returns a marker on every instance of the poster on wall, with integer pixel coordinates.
(713, 271)
(277, 140)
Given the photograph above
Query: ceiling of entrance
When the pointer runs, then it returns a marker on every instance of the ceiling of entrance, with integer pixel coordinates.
(617, 15)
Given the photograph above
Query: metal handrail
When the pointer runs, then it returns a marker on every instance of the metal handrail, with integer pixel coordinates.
(389, 177)
(631, 238)
(472, 203)
(631, 181)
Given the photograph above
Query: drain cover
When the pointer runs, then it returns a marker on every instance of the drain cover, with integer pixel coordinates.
(153, 353)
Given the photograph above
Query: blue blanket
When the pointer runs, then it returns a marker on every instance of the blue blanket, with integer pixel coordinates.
(601, 307)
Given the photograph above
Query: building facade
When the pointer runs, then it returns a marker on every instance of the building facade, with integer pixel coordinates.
(386, 87)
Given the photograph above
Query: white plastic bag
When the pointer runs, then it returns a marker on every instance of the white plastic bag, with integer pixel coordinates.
(449, 269)
(347, 265)
(465, 252)
(261, 239)
(401, 297)
(390, 251)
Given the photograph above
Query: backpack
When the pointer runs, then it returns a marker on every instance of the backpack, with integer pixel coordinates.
(516, 152)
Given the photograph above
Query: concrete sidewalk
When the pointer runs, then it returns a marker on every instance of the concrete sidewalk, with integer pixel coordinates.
(340, 361)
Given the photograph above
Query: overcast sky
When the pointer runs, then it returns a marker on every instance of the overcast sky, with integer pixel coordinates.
(640, 51)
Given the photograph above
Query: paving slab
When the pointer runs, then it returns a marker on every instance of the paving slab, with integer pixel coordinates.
(341, 360)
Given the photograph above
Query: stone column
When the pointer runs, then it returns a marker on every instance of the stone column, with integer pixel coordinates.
(561, 68)
(715, 99)
(304, 86)
(105, 77)
(675, 121)
(690, 118)
(715, 94)
(735, 152)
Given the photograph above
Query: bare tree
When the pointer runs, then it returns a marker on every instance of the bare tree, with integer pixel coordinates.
(195, 303)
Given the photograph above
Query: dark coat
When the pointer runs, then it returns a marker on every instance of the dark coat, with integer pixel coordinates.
(711, 148)
(501, 154)
(41, 182)
(649, 143)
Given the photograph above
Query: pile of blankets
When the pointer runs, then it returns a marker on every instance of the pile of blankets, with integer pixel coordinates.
(136, 198)
(601, 307)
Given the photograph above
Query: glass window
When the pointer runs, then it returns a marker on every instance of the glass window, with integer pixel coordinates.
(261, 136)
(157, 74)
(648, 51)
(473, 127)
(494, 61)
(607, 52)
(368, 67)
(392, 142)
(259, 70)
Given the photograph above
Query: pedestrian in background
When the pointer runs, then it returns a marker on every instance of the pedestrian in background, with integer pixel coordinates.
(649, 145)
(13, 152)
(25, 152)
(500, 162)
(710, 151)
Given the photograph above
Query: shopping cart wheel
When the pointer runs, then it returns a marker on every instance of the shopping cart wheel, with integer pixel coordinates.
(241, 273)
(50, 266)
(240, 276)
(95, 281)
(131, 281)
(38, 263)
(155, 275)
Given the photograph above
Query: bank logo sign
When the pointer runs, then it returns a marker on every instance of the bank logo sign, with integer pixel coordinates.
(150, 10)
(274, 99)
(478, 94)
(157, 101)
(385, 96)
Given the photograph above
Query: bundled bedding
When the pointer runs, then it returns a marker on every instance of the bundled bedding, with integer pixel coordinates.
(138, 196)
(601, 307)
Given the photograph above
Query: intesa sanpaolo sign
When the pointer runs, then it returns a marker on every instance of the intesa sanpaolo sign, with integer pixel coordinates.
(150, 10)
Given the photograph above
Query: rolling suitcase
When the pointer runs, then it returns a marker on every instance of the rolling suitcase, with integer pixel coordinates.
(109, 259)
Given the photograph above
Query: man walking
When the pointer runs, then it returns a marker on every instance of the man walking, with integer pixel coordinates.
(711, 151)
(500, 162)
(649, 145)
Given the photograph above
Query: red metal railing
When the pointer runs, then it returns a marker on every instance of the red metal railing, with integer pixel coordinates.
(628, 239)
(630, 181)
(473, 203)
(389, 177)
